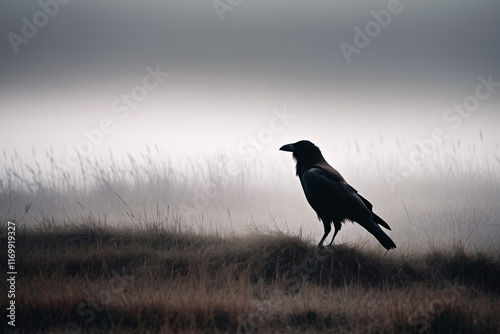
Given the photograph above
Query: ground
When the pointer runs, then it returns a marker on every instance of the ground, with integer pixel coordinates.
(89, 277)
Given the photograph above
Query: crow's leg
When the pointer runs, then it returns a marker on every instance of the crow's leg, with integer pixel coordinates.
(337, 229)
(328, 228)
(334, 234)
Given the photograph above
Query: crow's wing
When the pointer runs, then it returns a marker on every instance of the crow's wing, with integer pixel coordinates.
(334, 176)
(331, 197)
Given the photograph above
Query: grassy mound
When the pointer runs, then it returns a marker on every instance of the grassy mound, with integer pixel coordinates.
(156, 277)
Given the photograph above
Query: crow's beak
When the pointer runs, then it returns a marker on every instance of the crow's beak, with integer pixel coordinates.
(288, 148)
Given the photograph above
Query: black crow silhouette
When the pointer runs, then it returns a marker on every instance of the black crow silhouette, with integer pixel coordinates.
(331, 197)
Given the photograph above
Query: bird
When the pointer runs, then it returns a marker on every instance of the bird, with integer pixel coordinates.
(333, 199)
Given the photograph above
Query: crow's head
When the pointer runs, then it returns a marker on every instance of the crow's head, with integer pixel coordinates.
(299, 147)
(305, 153)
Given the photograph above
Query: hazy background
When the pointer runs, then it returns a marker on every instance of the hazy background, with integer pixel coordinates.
(227, 81)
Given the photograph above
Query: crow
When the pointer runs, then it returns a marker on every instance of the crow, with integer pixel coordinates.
(333, 199)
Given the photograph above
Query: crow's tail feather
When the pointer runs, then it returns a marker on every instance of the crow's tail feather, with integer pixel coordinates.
(377, 232)
(381, 222)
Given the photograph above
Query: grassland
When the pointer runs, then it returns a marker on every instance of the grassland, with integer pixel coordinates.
(452, 195)
(153, 244)
(88, 276)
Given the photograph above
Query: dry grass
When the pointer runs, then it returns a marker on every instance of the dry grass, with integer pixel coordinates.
(451, 196)
(160, 277)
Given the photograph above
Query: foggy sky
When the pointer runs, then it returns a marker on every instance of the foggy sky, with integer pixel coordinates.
(226, 77)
